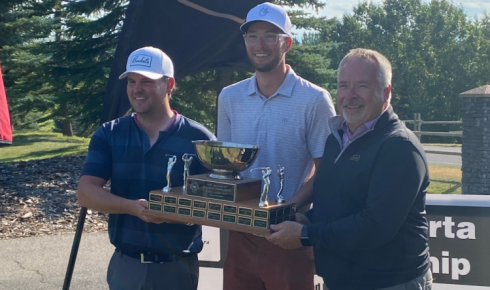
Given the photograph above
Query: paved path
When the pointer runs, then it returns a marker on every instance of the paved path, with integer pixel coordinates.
(39, 263)
(441, 159)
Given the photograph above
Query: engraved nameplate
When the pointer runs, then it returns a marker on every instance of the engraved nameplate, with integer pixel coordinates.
(260, 223)
(229, 209)
(170, 199)
(244, 221)
(184, 211)
(155, 206)
(245, 211)
(156, 197)
(228, 218)
(169, 208)
(261, 214)
(185, 202)
(199, 213)
(214, 216)
(214, 206)
(199, 204)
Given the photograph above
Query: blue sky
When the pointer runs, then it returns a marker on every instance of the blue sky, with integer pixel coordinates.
(338, 8)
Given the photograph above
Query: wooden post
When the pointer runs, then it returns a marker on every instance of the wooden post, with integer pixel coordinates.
(417, 124)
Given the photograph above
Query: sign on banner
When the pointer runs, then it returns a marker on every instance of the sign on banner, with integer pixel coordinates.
(459, 239)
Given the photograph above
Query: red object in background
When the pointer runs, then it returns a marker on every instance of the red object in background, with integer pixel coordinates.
(5, 129)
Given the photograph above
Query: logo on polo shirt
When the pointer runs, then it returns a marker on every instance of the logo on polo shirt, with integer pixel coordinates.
(355, 157)
(263, 11)
(141, 60)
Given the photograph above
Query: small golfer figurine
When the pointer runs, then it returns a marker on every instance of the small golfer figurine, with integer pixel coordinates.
(265, 188)
(187, 158)
(280, 198)
(171, 162)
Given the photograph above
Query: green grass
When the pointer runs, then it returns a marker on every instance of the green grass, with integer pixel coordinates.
(40, 145)
(445, 179)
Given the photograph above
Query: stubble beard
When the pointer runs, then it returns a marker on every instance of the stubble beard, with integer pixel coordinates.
(266, 67)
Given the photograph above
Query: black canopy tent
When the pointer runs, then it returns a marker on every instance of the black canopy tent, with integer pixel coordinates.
(197, 35)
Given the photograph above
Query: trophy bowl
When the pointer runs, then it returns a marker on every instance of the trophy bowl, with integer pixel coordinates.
(225, 159)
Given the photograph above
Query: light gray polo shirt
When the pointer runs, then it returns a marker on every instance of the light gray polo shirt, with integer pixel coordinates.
(290, 127)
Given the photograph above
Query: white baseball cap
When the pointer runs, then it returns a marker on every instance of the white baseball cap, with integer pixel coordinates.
(271, 13)
(150, 62)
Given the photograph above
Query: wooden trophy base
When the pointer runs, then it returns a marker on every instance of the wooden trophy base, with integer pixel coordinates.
(245, 216)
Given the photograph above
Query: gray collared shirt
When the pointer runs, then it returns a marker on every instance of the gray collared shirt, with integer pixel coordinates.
(290, 126)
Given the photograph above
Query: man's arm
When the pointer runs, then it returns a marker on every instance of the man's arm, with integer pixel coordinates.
(304, 197)
(91, 194)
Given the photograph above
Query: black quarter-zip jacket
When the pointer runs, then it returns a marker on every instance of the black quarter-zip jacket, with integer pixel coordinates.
(368, 226)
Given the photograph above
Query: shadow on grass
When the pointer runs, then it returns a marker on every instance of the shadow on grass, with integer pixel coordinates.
(29, 139)
(70, 150)
(452, 189)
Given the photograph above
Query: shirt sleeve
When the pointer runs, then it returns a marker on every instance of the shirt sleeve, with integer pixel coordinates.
(397, 178)
(224, 123)
(318, 129)
(99, 158)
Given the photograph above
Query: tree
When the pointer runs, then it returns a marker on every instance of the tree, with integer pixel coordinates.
(435, 50)
(23, 24)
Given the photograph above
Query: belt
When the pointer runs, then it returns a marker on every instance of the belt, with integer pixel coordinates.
(148, 257)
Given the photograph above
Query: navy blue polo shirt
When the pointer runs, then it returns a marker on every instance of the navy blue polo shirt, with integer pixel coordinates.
(120, 151)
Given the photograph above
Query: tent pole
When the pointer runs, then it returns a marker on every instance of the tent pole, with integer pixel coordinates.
(74, 248)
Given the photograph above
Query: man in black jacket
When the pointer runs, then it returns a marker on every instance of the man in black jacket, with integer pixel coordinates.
(368, 228)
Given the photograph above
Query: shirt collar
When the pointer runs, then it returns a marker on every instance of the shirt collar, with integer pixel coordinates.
(286, 89)
(176, 115)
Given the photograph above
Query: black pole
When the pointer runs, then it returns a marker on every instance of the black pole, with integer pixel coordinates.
(74, 248)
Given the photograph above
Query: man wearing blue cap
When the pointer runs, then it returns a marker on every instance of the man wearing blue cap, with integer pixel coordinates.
(132, 152)
(287, 117)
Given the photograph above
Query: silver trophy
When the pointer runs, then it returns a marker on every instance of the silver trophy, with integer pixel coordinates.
(280, 198)
(225, 160)
(265, 187)
(187, 158)
(171, 162)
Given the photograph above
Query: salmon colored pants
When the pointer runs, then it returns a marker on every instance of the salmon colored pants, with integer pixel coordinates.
(253, 263)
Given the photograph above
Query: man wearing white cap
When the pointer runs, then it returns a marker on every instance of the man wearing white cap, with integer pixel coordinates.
(132, 152)
(287, 117)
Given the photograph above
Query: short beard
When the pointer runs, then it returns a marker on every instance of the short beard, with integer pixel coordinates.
(267, 67)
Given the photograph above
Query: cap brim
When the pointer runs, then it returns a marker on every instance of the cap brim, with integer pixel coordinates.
(150, 75)
(244, 27)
